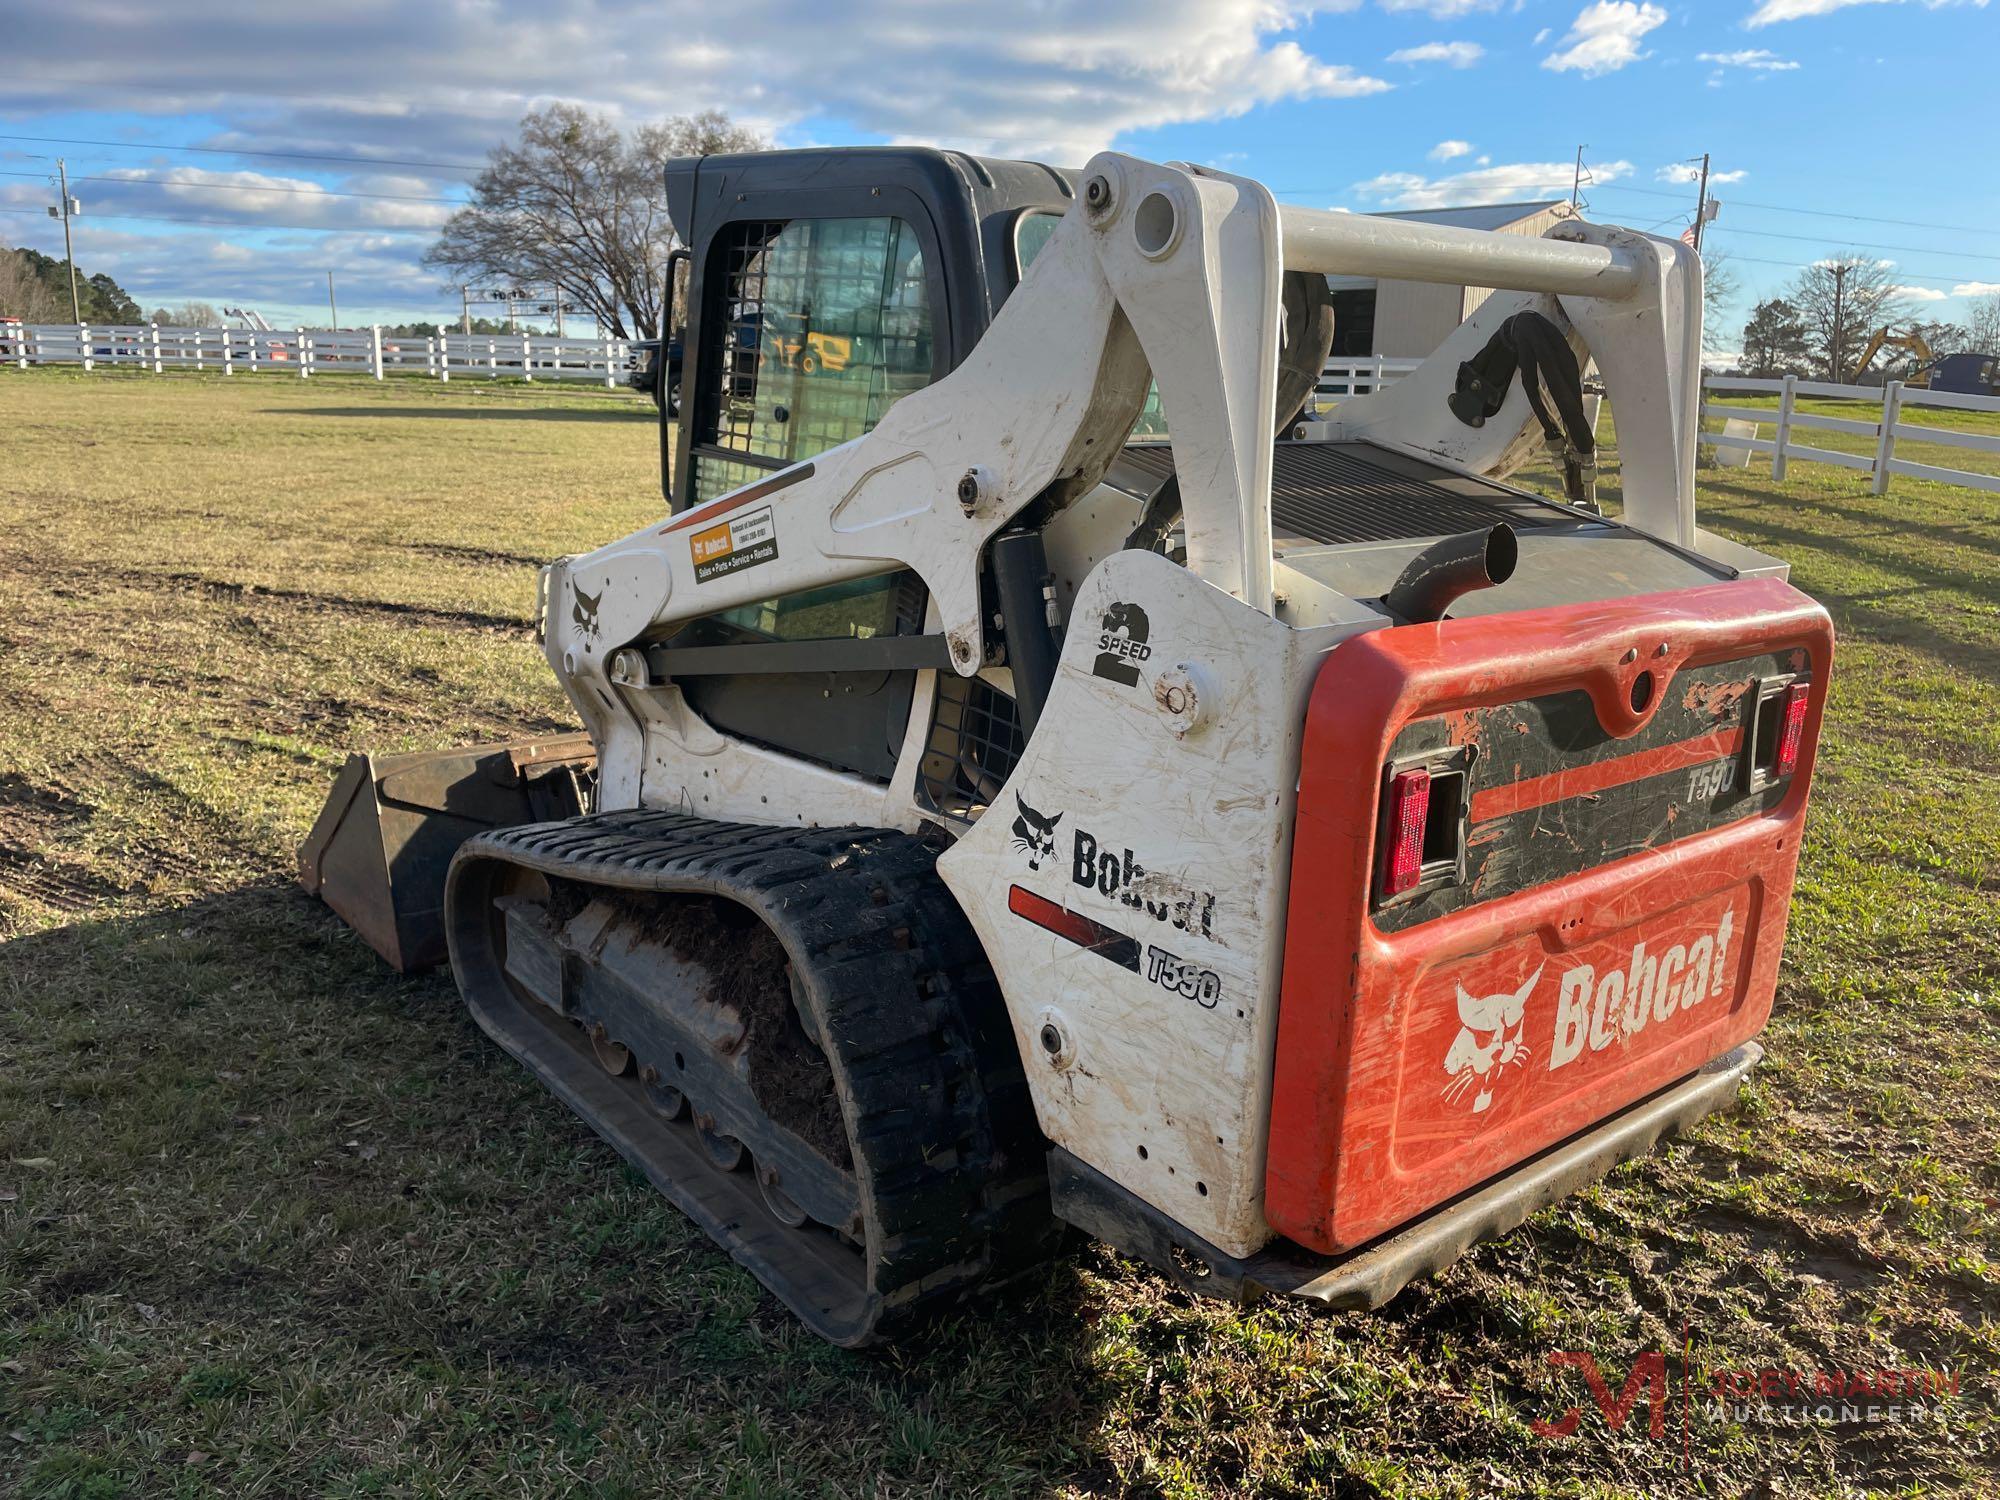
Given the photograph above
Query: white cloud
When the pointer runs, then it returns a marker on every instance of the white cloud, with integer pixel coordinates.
(1757, 59)
(1456, 54)
(1605, 37)
(1450, 150)
(1442, 10)
(447, 83)
(1976, 289)
(252, 197)
(444, 83)
(1543, 35)
(1920, 293)
(1771, 11)
(1505, 183)
(1685, 171)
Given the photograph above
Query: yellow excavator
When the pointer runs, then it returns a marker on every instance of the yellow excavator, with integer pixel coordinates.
(1922, 356)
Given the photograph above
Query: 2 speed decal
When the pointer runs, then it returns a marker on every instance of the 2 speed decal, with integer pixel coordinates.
(1122, 644)
(733, 545)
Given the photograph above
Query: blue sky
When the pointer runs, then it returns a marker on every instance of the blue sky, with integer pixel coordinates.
(1834, 125)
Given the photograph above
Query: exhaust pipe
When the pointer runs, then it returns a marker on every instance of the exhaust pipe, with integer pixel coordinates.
(1439, 574)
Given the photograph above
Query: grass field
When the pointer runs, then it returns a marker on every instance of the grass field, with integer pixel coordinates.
(276, 1222)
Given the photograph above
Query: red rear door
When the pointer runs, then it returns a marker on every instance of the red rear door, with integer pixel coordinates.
(1597, 884)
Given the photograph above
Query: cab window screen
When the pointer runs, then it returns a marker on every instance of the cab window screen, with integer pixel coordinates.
(1031, 233)
(823, 325)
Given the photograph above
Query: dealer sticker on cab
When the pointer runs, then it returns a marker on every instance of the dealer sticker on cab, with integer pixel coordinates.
(740, 542)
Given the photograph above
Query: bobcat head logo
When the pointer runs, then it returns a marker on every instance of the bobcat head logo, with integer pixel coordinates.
(1489, 1040)
(584, 610)
(1035, 834)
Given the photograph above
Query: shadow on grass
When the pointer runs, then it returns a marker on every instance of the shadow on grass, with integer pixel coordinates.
(1867, 611)
(1880, 523)
(259, 1148)
(494, 413)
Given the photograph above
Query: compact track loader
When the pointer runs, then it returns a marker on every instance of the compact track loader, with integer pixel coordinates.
(1042, 775)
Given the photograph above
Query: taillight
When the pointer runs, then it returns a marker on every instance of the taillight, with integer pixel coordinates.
(1409, 812)
(1791, 729)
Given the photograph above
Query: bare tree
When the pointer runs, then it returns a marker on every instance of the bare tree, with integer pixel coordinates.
(1718, 294)
(1842, 300)
(25, 295)
(187, 315)
(578, 207)
(1982, 324)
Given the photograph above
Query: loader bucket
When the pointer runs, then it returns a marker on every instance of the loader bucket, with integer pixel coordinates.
(380, 849)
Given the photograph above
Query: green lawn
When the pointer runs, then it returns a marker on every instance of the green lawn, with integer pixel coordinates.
(274, 1221)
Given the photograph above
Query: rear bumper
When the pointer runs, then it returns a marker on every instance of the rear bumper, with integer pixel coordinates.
(1369, 1276)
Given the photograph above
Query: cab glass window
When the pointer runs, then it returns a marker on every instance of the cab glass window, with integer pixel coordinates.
(1031, 233)
(821, 326)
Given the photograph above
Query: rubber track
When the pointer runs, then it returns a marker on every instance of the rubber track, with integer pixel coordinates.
(947, 1155)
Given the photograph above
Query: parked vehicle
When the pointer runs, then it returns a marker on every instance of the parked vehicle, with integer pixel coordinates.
(1285, 851)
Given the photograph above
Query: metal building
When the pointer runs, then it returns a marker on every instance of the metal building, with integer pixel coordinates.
(1409, 319)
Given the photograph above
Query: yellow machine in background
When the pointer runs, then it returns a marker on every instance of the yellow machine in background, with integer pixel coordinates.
(1920, 351)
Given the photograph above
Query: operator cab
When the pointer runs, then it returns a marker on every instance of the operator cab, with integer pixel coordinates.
(823, 286)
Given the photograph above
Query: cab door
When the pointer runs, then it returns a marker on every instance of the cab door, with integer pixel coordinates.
(816, 311)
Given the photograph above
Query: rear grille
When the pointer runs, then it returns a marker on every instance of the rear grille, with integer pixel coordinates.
(1331, 493)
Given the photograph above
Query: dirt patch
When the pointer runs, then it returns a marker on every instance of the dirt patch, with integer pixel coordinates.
(750, 975)
(52, 882)
(31, 814)
(92, 583)
(33, 820)
(223, 588)
(460, 553)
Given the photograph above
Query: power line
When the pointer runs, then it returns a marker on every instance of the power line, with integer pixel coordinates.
(1817, 239)
(247, 187)
(366, 161)
(1733, 202)
(250, 224)
(1792, 265)
(1944, 277)
(1820, 213)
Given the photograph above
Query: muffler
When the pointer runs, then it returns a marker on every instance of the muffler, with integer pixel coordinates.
(382, 845)
(1437, 576)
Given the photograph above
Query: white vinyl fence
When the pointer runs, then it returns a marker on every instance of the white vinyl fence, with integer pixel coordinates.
(317, 351)
(1888, 423)
(1349, 375)
(443, 355)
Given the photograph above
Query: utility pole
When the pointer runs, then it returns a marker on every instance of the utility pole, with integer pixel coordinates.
(1839, 323)
(332, 312)
(69, 249)
(1576, 184)
(465, 311)
(1701, 207)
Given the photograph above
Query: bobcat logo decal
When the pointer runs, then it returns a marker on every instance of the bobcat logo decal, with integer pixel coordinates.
(584, 610)
(1488, 1041)
(1035, 834)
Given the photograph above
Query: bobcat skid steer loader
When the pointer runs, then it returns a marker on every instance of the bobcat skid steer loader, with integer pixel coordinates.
(1042, 777)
